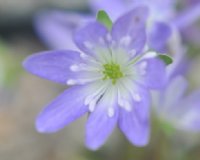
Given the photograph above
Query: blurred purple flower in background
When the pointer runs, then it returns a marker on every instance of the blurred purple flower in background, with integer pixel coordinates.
(163, 20)
(177, 108)
(110, 78)
(173, 104)
(187, 21)
(159, 9)
(56, 28)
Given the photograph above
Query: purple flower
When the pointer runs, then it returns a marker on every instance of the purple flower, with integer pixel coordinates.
(177, 108)
(110, 79)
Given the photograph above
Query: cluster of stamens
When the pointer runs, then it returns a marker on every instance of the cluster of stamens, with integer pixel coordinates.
(112, 71)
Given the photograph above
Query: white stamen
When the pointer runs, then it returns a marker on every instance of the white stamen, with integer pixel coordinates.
(87, 80)
(133, 52)
(149, 55)
(92, 105)
(120, 102)
(119, 99)
(71, 82)
(74, 68)
(125, 40)
(89, 59)
(96, 95)
(137, 97)
(83, 55)
(127, 106)
(123, 102)
(88, 45)
(143, 67)
(88, 99)
(111, 112)
(82, 67)
(82, 81)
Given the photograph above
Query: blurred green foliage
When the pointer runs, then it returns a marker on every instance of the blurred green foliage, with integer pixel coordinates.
(10, 65)
(103, 18)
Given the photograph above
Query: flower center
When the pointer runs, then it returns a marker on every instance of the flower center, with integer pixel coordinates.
(112, 71)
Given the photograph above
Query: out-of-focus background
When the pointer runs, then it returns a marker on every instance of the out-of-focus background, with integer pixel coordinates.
(23, 95)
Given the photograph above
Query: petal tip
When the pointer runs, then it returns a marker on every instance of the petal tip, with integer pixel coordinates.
(43, 127)
(92, 146)
(140, 142)
(25, 63)
(39, 127)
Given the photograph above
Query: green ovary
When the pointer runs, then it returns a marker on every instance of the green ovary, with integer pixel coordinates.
(112, 71)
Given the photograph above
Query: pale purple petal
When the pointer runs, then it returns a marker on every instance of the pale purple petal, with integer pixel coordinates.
(187, 22)
(192, 34)
(179, 66)
(135, 123)
(91, 37)
(63, 110)
(52, 65)
(159, 35)
(174, 106)
(172, 94)
(180, 111)
(102, 121)
(151, 73)
(114, 8)
(190, 119)
(159, 9)
(129, 30)
(56, 28)
(187, 17)
(192, 2)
